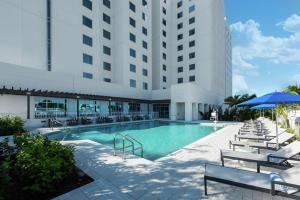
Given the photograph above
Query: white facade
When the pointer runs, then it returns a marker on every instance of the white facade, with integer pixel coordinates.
(126, 57)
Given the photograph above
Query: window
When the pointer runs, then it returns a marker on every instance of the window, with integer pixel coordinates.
(131, 22)
(192, 66)
(87, 22)
(108, 80)
(145, 72)
(164, 10)
(87, 40)
(87, 75)
(180, 26)
(145, 58)
(106, 3)
(179, 4)
(179, 47)
(132, 53)
(106, 34)
(106, 18)
(179, 37)
(131, 6)
(132, 83)
(192, 78)
(88, 4)
(192, 20)
(179, 15)
(164, 33)
(164, 44)
(164, 22)
(192, 43)
(144, 16)
(132, 68)
(192, 55)
(164, 56)
(106, 50)
(191, 32)
(88, 59)
(192, 8)
(145, 86)
(164, 79)
(132, 37)
(180, 69)
(144, 30)
(145, 45)
(165, 67)
(180, 80)
(144, 3)
(179, 58)
(106, 66)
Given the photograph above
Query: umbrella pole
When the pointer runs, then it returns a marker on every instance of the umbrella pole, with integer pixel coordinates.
(277, 144)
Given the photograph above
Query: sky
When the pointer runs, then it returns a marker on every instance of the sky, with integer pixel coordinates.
(265, 44)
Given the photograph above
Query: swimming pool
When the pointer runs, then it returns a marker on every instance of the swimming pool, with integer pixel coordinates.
(159, 138)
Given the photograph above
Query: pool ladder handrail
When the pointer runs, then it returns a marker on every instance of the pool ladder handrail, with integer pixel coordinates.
(128, 137)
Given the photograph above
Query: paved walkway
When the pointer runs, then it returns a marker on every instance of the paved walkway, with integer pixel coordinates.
(177, 176)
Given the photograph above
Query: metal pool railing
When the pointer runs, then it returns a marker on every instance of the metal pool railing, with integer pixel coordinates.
(123, 147)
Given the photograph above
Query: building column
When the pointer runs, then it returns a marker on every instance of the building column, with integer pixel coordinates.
(188, 111)
(77, 107)
(173, 112)
(195, 111)
(28, 105)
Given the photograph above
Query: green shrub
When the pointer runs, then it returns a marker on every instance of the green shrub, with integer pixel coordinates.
(10, 125)
(5, 179)
(41, 164)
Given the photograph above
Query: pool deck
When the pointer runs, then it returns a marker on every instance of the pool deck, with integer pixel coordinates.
(176, 176)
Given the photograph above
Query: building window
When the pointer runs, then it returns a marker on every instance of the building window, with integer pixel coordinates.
(145, 45)
(144, 3)
(106, 50)
(164, 79)
(192, 78)
(164, 55)
(192, 66)
(108, 80)
(180, 26)
(132, 68)
(87, 40)
(164, 10)
(132, 37)
(180, 47)
(106, 18)
(180, 80)
(88, 4)
(106, 34)
(179, 58)
(87, 22)
(145, 72)
(88, 59)
(180, 69)
(192, 8)
(179, 15)
(132, 53)
(192, 55)
(144, 16)
(106, 3)
(180, 37)
(132, 83)
(164, 33)
(192, 20)
(192, 43)
(131, 22)
(165, 67)
(144, 30)
(87, 75)
(106, 66)
(164, 22)
(164, 44)
(145, 58)
(179, 4)
(191, 32)
(131, 6)
(145, 86)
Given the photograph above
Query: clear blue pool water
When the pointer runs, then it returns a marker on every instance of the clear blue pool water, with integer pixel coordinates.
(159, 138)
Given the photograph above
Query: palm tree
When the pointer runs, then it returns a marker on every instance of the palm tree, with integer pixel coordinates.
(237, 99)
(293, 89)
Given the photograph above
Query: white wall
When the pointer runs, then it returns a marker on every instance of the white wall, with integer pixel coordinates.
(13, 105)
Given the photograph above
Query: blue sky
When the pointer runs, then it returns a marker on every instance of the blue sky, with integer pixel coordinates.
(266, 44)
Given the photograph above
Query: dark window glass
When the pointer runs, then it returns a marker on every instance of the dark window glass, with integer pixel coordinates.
(87, 75)
(87, 40)
(164, 33)
(165, 67)
(164, 10)
(106, 18)
(131, 6)
(87, 22)
(192, 55)
(192, 78)
(106, 34)
(164, 44)
(145, 86)
(164, 22)
(132, 83)
(192, 66)
(106, 66)
(132, 68)
(180, 47)
(192, 43)
(179, 26)
(145, 72)
(145, 45)
(106, 50)
(108, 80)
(180, 80)
(88, 59)
(145, 58)
(144, 3)
(179, 37)
(179, 15)
(192, 8)
(179, 58)
(88, 4)
(132, 37)
(131, 22)
(144, 30)
(106, 3)
(191, 32)
(180, 69)
(192, 20)
(164, 56)
(179, 4)
(164, 79)
(144, 16)
(132, 53)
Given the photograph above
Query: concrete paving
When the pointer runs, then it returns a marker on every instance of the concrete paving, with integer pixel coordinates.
(176, 176)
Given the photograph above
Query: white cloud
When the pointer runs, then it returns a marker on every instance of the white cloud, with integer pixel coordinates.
(240, 84)
(291, 24)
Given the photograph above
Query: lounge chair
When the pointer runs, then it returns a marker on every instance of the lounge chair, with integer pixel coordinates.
(282, 139)
(276, 159)
(286, 183)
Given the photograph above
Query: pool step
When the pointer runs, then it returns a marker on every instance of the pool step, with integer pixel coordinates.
(127, 142)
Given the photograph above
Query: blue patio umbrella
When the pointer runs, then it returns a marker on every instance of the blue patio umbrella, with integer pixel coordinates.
(273, 98)
(263, 107)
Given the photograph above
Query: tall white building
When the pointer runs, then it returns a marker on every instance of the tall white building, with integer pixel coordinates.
(106, 56)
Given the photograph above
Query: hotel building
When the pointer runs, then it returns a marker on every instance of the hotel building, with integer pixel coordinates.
(80, 57)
